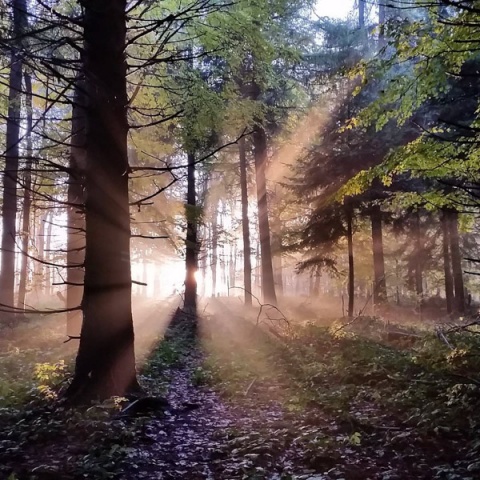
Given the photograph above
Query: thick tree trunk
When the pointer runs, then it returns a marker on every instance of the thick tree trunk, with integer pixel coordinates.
(268, 281)
(105, 364)
(380, 284)
(10, 176)
(75, 212)
(27, 195)
(247, 261)
(351, 271)
(456, 262)
(191, 239)
(447, 266)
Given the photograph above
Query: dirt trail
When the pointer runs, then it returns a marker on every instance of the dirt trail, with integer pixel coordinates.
(250, 436)
(197, 444)
(257, 433)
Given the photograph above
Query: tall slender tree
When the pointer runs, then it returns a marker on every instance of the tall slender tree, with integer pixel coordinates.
(380, 285)
(247, 261)
(191, 241)
(456, 257)
(260, 152)
(447, 264)
(10, 174)
(351, 266)
(27, 194)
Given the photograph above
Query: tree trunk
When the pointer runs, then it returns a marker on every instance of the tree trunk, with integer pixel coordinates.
(277, 254)
(191, 240)
(48, 256)
(361, 14)
(418, 257)
(247, 261)
(268, 281)
(203, 257)
(232, 266)
(257, 273)
(382, 17)
(105, 364)
(316, 285)
(40, 248)
(447, 266)
(27, 195)
(214, 248)
(397, 276)
(456, 262)
(380, 291)
(75, 212)
(10, 176)
(351, 271)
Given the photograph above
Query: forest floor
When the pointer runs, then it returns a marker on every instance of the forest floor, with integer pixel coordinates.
(273, 400)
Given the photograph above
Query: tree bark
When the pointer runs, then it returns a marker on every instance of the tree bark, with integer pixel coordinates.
(105, 364)
(380, 290)
(268, 281)
(351, 271)
(191, 243)
(247, 261)
(456, 257)
(27, 195)
(10, 174)
(75, 211)
(447, 266)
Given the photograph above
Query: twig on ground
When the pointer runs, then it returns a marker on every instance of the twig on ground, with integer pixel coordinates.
(247, 391)
(71, 337)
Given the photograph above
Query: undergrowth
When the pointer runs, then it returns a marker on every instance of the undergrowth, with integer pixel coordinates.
(40, 435)
(407, 391)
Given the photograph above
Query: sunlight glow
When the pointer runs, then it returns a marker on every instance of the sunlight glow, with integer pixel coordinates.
(338, 9)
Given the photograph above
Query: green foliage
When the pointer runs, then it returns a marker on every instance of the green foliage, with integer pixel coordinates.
(422, 78)
(375, 384)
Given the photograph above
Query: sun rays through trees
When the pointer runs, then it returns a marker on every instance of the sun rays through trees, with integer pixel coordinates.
(248, 222)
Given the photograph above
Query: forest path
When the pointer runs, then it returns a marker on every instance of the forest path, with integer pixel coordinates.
(241, 407)
(200, 436)
(250, 434)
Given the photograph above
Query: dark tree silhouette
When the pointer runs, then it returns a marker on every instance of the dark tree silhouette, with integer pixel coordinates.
(260, 152)
(10, 177)
(105, 364)
(247, 262)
